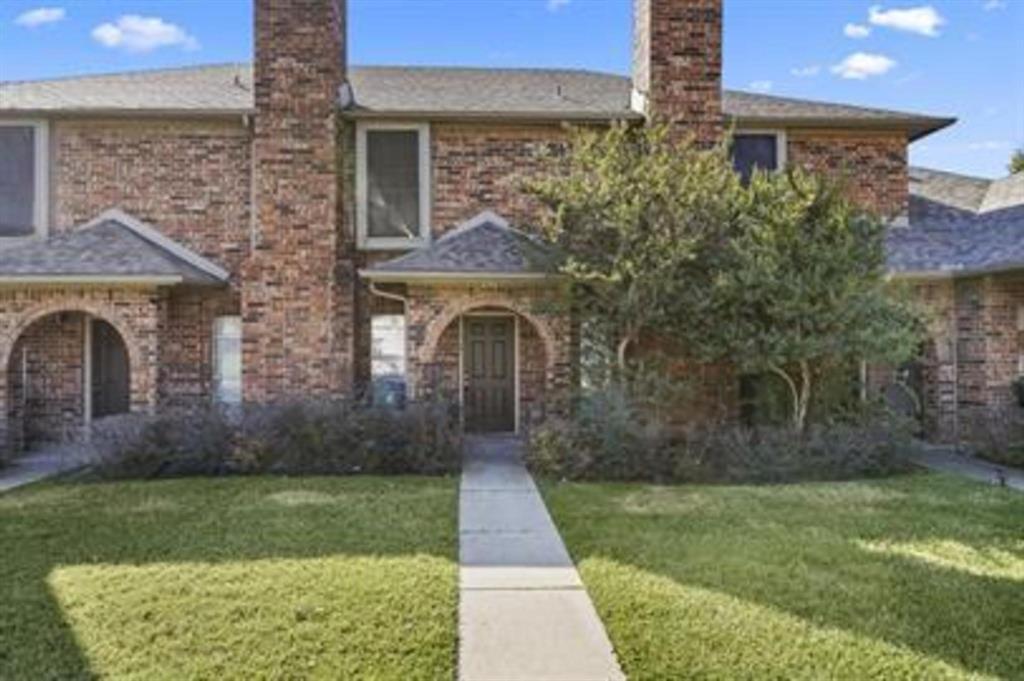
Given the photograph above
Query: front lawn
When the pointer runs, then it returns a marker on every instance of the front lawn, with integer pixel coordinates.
(229, 578)
(914, 577)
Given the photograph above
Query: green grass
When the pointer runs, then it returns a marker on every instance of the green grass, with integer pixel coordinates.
(243, 578)
(918, 577)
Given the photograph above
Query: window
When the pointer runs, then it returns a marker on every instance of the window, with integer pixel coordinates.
(227, 360)
(387, 359)
(23, 174)
(392, 185)
(763, 150)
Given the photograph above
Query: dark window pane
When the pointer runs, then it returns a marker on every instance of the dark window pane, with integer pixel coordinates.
(17, 180)
(393, 183)
(754, 151)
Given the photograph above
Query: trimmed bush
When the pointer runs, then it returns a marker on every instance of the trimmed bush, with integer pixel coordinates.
(998, 435)
(308, 437)
(607, 441)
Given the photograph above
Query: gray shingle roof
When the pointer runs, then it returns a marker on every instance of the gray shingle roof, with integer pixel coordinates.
(110, 249)
(484, 246)
(960, 225)
(425, 90)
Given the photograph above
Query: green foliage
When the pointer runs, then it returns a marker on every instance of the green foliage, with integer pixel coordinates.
(296, 437)
(230, 578)
(610, 438)
(801, 288)
(635, 214)
(1017, 162)
(664, 242)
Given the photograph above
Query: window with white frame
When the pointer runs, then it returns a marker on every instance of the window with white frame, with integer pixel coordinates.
(227, 360)
(758, 150)
(392, 185)
(23, 178)
(387, 341)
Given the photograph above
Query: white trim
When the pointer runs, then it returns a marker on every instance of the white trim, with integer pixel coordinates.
(41, 181)
(363, 239)
(515, 362)
(470, 277)
(144, 279)
(781, 143)
(87, 370)
(153, 235)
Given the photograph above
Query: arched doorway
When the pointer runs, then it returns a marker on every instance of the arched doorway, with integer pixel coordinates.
(64, 370)
(495, 362)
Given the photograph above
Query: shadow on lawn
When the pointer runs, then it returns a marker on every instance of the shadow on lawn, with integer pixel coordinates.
(208, 521)
(819, 554)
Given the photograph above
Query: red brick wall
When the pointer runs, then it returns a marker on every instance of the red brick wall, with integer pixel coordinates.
(481, 167)
(189, 178)
(45, 375)
(296, 308)
(677, 63)
(874, 164)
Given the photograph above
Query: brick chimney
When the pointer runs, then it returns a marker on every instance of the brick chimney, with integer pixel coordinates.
(677, 64)
(293, 317)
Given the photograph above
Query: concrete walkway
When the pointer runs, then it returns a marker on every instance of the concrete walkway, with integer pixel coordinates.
(40, 465)
(947, 461)
(523, 612)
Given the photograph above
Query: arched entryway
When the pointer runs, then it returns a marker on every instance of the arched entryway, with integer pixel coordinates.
(497, 361)
(64, 370)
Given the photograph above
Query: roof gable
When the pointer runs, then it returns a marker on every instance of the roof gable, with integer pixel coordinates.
(484, 247)
(113, 248)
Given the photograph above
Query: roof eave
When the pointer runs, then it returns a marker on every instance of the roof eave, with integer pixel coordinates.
(396, 277)
(90, 279)
(916, 128)
(493, 116)
(113, 112)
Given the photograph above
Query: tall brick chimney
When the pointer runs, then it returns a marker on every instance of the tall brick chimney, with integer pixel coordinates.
(291, 296)
(677, 64)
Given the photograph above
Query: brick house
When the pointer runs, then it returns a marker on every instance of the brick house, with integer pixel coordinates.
(302, 227)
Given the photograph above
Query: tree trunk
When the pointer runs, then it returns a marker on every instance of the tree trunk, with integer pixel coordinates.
(800, 394)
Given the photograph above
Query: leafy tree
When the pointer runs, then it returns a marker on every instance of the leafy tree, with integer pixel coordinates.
(802, 288)
(635, 212)
(1017, 161)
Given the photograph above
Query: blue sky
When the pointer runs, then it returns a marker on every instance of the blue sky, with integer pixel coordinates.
(957, 57)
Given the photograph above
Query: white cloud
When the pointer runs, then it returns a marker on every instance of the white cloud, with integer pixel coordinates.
(555, 5)
(806, 71)
(863, 65)
(991, 5)
(761, 85)
(856, 31)
(40, 16)
(924, 20)
(134, 33)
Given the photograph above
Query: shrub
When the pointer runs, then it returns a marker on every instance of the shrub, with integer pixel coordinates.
(319, 437)
(998, 435)
(605, 443)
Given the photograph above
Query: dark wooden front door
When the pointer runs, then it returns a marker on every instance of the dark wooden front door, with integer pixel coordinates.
(110, 385)
(488, 366)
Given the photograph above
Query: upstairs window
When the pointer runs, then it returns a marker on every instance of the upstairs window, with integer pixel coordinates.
(392, 185)
(757, 150)
(23, 173)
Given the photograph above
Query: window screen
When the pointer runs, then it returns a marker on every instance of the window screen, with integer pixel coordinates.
(754, 151)
(227, 360)
(393, 183)
(17, 180)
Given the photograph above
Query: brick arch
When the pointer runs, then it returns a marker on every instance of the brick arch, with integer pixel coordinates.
(453, 311)
(141, 367)
(106, 313)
